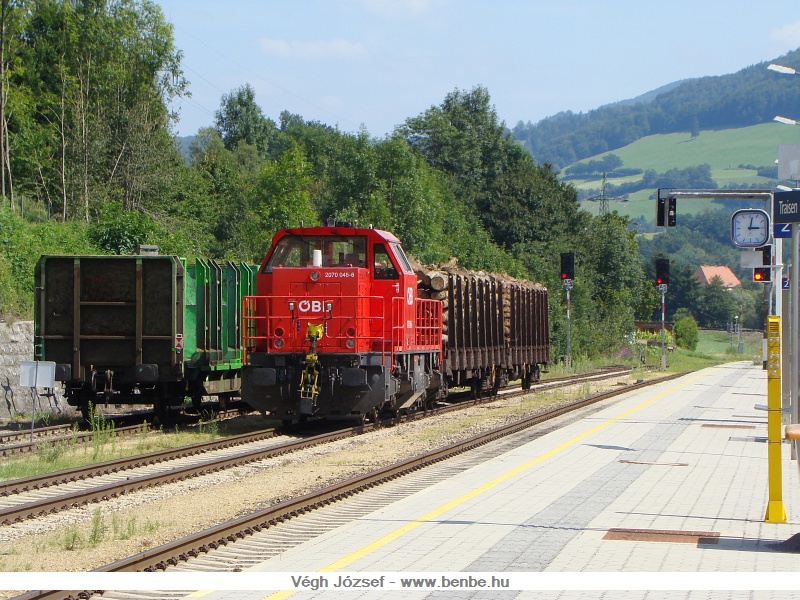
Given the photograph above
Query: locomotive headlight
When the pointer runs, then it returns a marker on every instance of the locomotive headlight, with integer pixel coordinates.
(314, 275)
(279, 343)
(351, 343)
(351, 332)
(279, 331)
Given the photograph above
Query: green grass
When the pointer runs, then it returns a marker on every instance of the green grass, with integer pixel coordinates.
(67, 454)
(713, 348)
(723, 150)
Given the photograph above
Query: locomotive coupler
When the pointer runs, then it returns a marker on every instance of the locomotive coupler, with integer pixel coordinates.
(309, 378)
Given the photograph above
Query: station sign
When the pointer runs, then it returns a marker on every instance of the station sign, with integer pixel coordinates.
(784, 283)
(782, 230)
(786, 207)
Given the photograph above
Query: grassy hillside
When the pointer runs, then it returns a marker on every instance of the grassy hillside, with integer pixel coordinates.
(724, 150)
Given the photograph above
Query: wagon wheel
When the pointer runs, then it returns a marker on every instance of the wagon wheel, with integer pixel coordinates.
(87, 398)
(486, 386)
(195, 392)
(475, 388)
(166, 396)
(160, 411)
(526, 380)
(86, 410)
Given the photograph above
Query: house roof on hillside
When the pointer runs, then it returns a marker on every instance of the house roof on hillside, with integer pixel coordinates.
(705, 273)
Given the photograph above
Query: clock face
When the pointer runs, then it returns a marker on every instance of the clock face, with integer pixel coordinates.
(750, 227)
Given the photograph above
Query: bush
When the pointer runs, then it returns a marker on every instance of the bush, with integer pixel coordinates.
(686, 335)
(21, 244)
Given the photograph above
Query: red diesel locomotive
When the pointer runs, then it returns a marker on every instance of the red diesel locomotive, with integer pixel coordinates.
(337, 329)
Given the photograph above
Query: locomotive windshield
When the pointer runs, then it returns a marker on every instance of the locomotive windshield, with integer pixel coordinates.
(402, 258)
(329, 250)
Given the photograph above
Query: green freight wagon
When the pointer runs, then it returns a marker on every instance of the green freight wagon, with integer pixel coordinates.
(141, 329)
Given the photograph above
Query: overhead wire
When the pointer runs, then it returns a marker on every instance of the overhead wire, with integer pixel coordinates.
(259, 76)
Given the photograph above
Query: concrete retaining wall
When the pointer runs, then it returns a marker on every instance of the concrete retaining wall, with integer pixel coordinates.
(16, 345)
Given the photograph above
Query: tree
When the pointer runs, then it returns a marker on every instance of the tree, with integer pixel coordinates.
(516, 200)
(240, 119)
(89, 112)
(715, 305)
(285, 185)
(686, 333)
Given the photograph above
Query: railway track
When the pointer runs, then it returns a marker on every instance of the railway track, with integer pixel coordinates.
(41, 495)
(196, 549)
(13, 442)
(41, 482)
(20, 442)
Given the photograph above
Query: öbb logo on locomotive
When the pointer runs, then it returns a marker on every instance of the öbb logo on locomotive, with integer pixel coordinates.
(313, 306)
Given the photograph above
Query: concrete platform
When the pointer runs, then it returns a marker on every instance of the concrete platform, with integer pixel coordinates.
(661, 494)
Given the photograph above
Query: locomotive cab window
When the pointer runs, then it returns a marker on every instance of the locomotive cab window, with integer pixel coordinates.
(345, 252)
(405, 264)
(325, 251)
(384, 267)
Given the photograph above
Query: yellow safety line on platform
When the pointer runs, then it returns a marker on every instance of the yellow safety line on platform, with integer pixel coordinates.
(393, 535)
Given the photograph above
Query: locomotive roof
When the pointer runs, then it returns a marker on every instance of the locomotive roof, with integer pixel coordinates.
(336, 230)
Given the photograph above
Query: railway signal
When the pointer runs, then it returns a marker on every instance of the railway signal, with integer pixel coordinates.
(666, 211)
(762, 274)
(662, 271)
(567, 275)
(672, 211)
(662, 279)
(567, 265)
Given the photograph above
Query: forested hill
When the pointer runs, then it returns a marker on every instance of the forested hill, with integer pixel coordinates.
(751, 96)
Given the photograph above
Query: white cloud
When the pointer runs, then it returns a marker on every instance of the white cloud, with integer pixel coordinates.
(314, 49)
(787, 36)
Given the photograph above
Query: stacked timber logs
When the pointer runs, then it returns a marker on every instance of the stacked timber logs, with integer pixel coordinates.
(495, 327)
(479, 304)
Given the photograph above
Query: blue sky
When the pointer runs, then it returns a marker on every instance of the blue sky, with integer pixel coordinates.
(375, 63)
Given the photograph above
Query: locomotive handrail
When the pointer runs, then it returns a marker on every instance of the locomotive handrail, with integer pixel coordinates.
(368, 331)
(260, 324)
